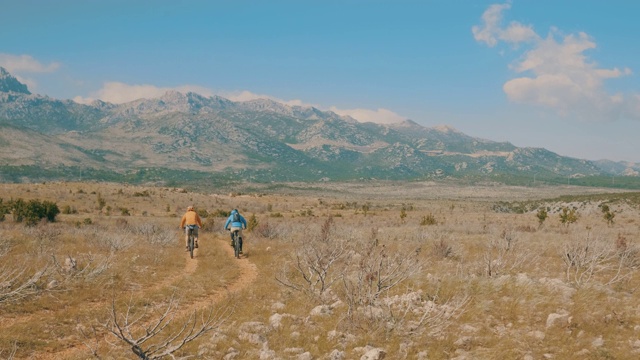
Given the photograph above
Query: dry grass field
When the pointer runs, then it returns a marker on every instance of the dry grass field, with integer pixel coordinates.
(330, 271)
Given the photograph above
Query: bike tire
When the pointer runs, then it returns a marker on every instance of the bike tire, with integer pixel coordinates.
(236, 245)
(191, 245)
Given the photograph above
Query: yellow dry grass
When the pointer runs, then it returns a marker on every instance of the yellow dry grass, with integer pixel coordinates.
(491, 284)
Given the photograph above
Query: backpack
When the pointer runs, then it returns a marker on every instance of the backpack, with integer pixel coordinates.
(236, 217)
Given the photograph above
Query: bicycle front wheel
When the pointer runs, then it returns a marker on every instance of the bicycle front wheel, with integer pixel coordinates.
(191, 246)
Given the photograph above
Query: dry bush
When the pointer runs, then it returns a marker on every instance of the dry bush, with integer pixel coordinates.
(11, 353)
(441, 249)
(160, 334)
(317, 263)
(266, 230)
(44, 235)
(21, 276)
(412, 314)
(109, 239)
(590, 257)
(19, 283)
(504, 253)
(87, 269)
(154, 234)
(375, 269)
(441, 246)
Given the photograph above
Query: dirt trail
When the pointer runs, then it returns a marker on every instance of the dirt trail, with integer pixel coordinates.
(248, 274)
(190, 268)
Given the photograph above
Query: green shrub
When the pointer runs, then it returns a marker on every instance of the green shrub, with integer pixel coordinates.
(568, 216)
(209, 223)
(222, 213)
(428, 220)
(542, 215)
(202, 213)
(252, 223)
(67, 209)
(5, 208)
(33, 211)
(101, 202)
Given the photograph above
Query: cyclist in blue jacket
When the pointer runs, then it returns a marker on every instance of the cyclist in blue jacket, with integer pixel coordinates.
(236, 222)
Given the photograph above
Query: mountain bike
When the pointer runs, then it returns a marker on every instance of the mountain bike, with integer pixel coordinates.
(237, 245)
(191, 242)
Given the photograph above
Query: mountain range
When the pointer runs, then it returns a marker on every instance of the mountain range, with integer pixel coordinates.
(178, 137)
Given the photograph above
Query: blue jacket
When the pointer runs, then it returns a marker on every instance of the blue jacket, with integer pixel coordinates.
(242, 224)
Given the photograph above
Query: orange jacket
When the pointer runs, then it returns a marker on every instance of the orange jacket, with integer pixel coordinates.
(191, 218)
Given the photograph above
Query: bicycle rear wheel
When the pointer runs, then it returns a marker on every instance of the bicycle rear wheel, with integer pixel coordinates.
(236, 245)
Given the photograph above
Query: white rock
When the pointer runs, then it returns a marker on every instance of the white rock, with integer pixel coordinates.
(320, 310)
(336, 355)
(374, 354)
(537, 334)
(597, 342)
(275, 321)
(559, 319)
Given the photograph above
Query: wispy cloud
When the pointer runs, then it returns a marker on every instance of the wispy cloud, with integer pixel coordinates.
(22, 65)
(491, 31)
(555, 72)
(25, 64)
(248, 96)
(379, 116)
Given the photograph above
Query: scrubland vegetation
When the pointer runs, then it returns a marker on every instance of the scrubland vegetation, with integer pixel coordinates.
(334, 271)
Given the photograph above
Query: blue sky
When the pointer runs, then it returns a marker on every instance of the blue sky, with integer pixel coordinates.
(562, 75)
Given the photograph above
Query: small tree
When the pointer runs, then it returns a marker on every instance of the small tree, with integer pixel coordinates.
(403, 214)
(252, 223)
(568, 216)
(608, 214)
(542, 216)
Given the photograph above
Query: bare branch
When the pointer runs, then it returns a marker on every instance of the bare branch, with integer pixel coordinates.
(14, 287)
(130, 329)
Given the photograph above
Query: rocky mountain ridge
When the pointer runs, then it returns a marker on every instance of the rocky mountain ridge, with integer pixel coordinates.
(259, 140)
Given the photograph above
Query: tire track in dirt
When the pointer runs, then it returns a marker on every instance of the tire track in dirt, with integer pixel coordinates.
(248, 274)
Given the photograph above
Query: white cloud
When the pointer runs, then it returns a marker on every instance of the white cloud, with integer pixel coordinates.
(25, 64)
(248, 96)
(118, 93)
(555, 72)
(380, 116)
(491, 31)
(18, 65)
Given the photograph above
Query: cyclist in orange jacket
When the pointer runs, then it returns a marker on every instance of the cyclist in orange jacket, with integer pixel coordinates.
(191, 222)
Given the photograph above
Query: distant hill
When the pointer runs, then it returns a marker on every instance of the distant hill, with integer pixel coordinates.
(182, 137)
